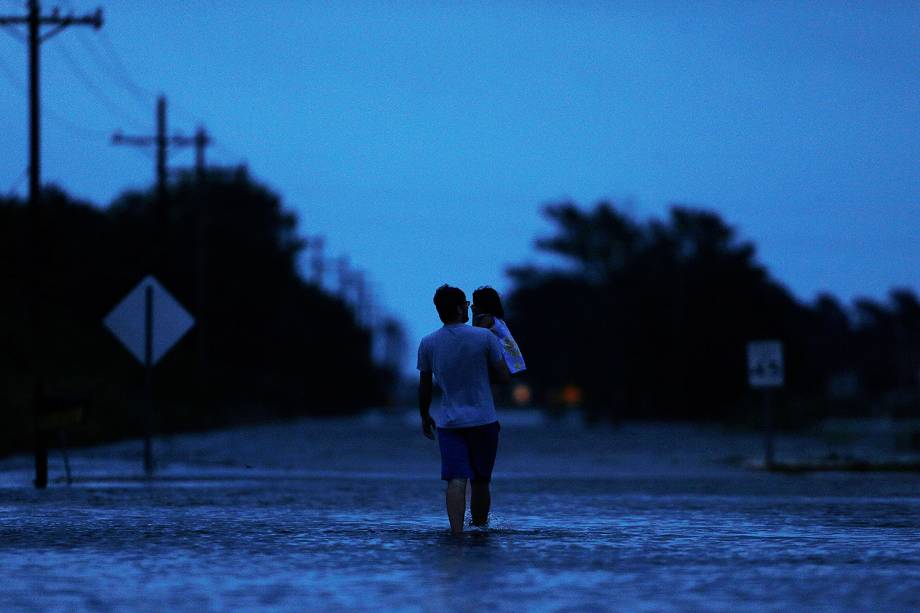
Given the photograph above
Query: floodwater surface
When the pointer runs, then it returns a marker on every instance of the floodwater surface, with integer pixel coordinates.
(348, 514)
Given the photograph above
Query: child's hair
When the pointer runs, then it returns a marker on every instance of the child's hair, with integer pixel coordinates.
(488, 301)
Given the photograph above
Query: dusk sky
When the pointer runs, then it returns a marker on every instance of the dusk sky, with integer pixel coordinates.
(423, 138)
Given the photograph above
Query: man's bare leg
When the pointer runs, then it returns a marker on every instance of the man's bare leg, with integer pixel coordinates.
(456, 504)
(480, 501)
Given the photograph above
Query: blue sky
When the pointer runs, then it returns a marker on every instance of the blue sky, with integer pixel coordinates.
(422, 138)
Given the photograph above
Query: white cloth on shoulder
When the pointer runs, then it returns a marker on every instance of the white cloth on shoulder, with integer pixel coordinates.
(510, 350)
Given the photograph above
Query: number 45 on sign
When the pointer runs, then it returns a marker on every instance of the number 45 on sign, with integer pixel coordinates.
(765, 363)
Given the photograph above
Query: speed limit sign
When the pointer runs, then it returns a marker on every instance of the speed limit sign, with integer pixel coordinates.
(765, 363)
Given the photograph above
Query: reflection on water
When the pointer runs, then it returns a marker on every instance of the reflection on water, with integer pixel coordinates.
(349, 514)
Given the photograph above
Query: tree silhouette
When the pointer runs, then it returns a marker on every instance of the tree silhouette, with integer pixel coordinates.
(652, 320)
(275, 344)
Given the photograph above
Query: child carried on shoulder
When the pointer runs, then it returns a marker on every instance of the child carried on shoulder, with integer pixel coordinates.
(488, 313)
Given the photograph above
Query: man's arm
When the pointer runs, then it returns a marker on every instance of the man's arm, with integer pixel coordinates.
(424, 403)
(499, 373)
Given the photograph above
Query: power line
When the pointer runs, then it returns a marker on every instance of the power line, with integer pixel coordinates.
(121, 75)
(115, 67)
(52, 114)
(14, 33)
(143, 95)
(118, 76)
(95, 89)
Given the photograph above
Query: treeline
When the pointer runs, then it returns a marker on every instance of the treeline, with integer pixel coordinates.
(651, 320)
(273, 344)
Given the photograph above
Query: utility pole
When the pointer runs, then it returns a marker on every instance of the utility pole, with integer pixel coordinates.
(157, 231)
(161, 159)
(344, 277)
(163, 142)
(360, 307)
(317, 264)
(35, 20)
(201, 140)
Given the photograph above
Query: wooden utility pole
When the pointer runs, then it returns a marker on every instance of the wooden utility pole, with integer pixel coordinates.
(34, 20)
(344, 278)
(361, 299)
(317, 263)
(162, 142)
(200, 141)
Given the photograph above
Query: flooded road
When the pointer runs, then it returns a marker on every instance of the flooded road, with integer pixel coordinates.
(348, 514)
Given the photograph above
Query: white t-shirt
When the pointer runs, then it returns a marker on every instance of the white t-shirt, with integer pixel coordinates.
(459, 356)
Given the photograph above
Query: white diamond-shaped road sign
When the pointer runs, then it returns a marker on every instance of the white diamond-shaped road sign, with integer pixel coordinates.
(765, 363)
(169, 321)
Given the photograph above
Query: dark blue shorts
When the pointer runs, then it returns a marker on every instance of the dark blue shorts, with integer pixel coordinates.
(468, 453)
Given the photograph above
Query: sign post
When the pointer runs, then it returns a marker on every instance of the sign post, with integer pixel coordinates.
(148, 378)
(766, 373)
(148, 322)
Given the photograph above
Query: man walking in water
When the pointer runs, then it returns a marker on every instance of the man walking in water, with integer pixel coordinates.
(464, 360)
